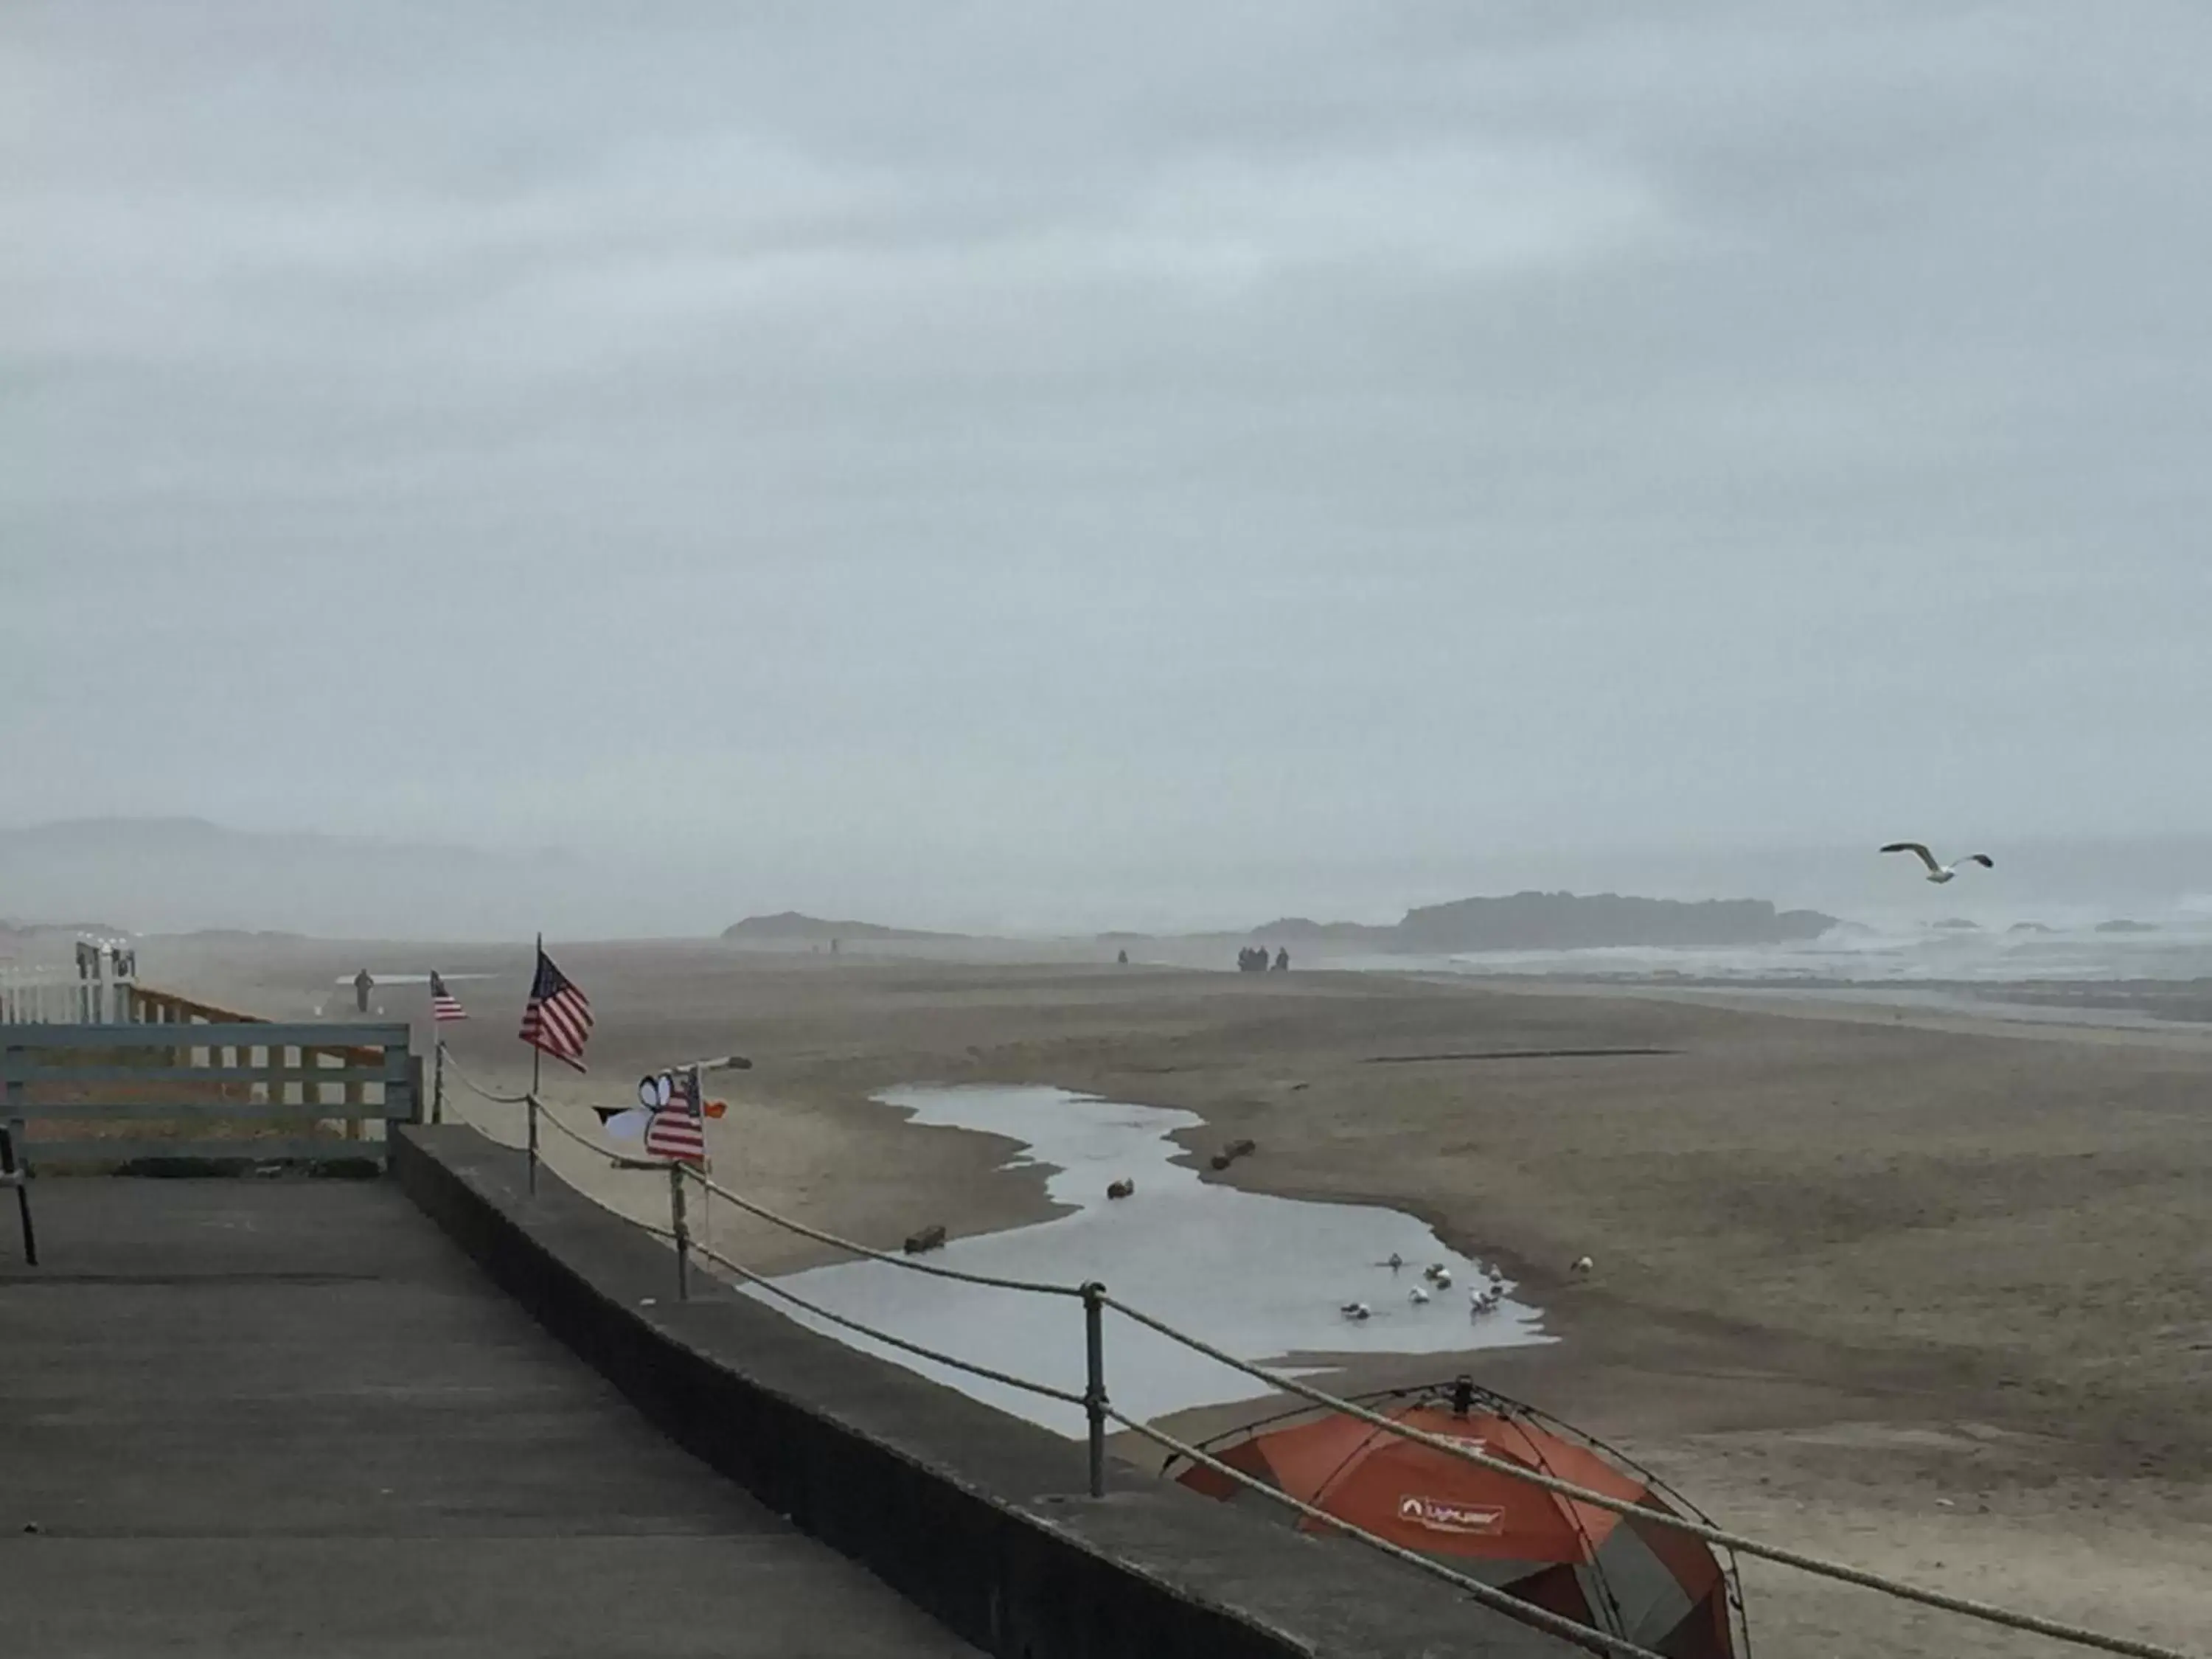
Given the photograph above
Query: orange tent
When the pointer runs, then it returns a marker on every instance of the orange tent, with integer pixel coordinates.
(1661, 1589)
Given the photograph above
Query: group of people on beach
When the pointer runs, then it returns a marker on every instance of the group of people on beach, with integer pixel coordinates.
(1253, 959)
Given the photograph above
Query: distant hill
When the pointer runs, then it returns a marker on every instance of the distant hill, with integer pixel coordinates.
(244, 936)
(18, 938)
(1299, 930)
(1535, 922)
(58, 929)
(164, 875)
(790, 928)
(1565, 922)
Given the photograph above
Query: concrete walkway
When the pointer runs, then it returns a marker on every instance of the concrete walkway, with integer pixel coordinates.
(278, 1417)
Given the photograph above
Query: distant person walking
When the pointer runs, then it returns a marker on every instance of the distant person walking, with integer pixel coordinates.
(1283, 959)
(363, 985)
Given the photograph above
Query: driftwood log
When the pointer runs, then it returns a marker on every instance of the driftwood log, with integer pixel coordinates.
(931, 1238)
(1235, 1150)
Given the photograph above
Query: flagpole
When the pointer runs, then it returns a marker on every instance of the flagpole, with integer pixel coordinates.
(706, 1164)
(437, 1073)
(537, 1059)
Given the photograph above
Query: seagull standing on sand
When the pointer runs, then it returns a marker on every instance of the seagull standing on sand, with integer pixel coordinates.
(1355, 1311)
(1417, 1296)
(1940, 873)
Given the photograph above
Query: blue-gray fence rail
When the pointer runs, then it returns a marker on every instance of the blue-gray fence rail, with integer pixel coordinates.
(249, 1077)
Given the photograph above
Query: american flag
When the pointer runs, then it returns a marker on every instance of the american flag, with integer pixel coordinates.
(557, 1018)
(677, 1131)
(444, 1005)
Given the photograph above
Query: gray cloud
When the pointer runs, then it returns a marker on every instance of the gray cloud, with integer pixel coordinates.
(919, 443)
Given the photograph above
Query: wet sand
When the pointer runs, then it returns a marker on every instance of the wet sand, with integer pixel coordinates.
(1928, 1290)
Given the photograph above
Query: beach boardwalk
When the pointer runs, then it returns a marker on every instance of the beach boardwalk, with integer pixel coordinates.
(254, 1418)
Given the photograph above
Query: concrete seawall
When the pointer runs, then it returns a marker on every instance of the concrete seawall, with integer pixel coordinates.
(975, 1516)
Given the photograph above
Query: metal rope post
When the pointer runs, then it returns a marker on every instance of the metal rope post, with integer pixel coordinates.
(536, 1059)
(1094, 1388)
(20, 1179)
(682, 1233)
(15, 1146)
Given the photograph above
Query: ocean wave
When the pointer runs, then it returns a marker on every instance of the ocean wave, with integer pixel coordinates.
(1862, 954)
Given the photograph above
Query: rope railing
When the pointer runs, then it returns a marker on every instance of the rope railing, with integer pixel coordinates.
(1543, 1618)
(546, 1114)
(1841, 1571)
(1094, 1401)
(1042, 1389)
(1036, 1287)
(475, 1088)
(684, 1240)
(1593, 1641)
(540, 1112)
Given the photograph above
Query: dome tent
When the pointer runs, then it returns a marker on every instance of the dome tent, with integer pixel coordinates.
(1658, 1587)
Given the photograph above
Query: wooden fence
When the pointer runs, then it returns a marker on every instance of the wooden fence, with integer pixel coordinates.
(211, 1083)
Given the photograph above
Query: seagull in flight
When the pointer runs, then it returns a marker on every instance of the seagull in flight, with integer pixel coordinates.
(1940, 873)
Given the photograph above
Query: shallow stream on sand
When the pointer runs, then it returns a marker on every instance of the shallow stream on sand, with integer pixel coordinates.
(1261, 1277)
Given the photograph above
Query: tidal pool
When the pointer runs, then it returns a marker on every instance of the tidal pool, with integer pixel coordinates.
(1261, 1277)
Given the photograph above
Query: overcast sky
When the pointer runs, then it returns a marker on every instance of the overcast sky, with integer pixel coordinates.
(943, 443)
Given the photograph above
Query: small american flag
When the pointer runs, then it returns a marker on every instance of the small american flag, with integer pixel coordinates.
(677, 1131)
(444, 1005)
(557, 1018)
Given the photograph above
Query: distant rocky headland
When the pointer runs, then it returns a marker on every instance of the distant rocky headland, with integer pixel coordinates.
(1561, 921)
(1517, 922)
(1570, 921)
(790, 928)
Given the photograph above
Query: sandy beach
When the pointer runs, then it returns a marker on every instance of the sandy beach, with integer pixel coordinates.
(1924, 1290)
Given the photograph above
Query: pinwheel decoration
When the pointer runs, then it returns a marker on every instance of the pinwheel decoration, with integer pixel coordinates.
(659, 1092)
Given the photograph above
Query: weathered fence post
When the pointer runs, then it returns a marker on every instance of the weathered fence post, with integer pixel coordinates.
(354, 1094)
(402, 1089)
(311, 1092)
